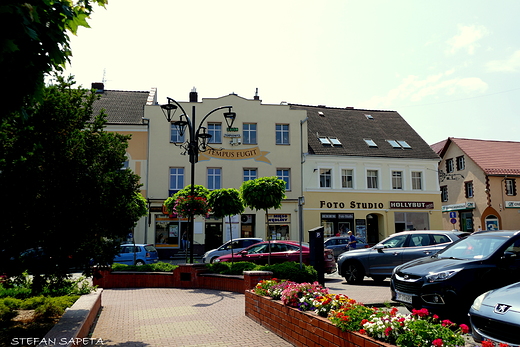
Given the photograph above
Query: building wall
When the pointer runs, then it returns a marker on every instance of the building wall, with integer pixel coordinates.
(372, 213)
(265, 156)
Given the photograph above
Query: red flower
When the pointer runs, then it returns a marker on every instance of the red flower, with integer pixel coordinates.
(388, 331)
(487, 344)
(420, 313)
(437, 342)
(446, 323)
(464, 328)
(503, 345)
(435, 317)
(362, 331)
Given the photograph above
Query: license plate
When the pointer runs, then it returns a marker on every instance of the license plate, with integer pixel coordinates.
(403, 297)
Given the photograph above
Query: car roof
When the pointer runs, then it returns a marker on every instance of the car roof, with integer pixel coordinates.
(246, 238)
(496, 232)
(136, 244)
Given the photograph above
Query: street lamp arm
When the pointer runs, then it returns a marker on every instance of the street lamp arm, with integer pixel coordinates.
(211, 112)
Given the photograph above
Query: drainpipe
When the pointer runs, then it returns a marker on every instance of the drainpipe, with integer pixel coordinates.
(148, 218)
(301, 199)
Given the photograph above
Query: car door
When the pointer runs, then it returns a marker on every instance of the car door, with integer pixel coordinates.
(386, 255)
(126, 256)
(421, 245)
(256, 254)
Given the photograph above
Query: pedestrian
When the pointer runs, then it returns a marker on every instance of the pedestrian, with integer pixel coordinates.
(352, 243)
(185, 241)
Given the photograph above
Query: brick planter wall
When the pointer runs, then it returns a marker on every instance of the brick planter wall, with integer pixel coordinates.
(185, 276)
(302, 328)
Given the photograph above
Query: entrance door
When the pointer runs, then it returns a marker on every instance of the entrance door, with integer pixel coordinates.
(213, 236)
(466, 221)
(372, 229)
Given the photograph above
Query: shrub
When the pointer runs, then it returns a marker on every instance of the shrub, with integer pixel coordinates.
(54, 306)
(291, 271)
(32, 303)
(6, 313)
(12, 303)
(156, 267)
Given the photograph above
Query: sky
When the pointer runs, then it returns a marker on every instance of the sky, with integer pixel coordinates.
(449, 68)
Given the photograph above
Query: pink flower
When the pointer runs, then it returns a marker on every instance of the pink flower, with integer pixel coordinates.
(446, 323)
(388, 331)
(437, 342)
(464, 328)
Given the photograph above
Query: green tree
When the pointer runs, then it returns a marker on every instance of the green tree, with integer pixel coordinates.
(64, 188)
(34, 41)
(264, 193)
(226, 202)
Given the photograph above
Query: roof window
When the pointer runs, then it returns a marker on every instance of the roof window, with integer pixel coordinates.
(369, 116)
(324, 140)
(394, 143)
(404, 144)
(335, 141)
(370, 143)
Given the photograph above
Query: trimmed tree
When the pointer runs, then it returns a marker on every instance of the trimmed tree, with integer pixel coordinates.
(264, 193)
(226, 202)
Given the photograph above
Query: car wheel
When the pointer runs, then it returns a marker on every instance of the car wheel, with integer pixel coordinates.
(353, 273)
(139, 263)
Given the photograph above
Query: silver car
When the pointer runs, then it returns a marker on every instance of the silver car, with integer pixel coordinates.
(378, 261)
(495, 315)
(234, 245)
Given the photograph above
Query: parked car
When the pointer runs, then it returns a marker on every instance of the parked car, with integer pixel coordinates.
(339, 244)
(234, 245)
(281, 251)
(378, 261)
(448, 282)
(137, 254)
(495, 315)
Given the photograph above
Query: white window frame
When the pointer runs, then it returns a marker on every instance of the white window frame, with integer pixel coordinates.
(325, 178)
(215, 130)
(416, 180)
(177, 173)
(372, 181)
(282, 134)
(214, 178)
(285, 175)
(397, 179)
(344, 178)
(251, 137)
(248, 176)
(175, 136)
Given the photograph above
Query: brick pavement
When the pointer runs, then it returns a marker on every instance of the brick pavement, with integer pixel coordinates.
(158, 317)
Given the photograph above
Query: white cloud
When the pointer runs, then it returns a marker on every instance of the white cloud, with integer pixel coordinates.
(414, 89)
(466, 39)
(512, 64)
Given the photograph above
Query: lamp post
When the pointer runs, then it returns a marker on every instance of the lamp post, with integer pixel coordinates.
(196, 142)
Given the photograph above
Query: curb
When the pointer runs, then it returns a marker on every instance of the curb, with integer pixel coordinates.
(74, 326)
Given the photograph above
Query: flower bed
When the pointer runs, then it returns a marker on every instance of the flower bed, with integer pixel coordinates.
(306, 314)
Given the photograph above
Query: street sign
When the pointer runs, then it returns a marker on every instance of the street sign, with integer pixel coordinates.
(453, 221)
(453, 215)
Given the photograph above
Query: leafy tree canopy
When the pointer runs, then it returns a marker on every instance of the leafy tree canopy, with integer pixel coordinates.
(225, 202)
(263, 193)
(34, 41)
(64, 188)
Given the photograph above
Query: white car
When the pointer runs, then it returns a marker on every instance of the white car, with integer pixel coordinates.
(234, 246)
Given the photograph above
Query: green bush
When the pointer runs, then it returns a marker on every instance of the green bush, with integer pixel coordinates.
(289, 270)
(6, 313)
(54, 306)
(156, 267)
(15, 292)
(32, 303)
(12, 303)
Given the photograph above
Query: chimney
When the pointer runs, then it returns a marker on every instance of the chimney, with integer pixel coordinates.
(256, 95)
(99, 87)
(193, 95)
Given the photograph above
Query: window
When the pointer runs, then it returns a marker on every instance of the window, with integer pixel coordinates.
(215, 130)
(325, 178)
(468, 189)
(176, 180)
(444, 193)
(324, 140)
(416, 180)
(249, 133)
(510, 187)
(284, 174)
(282, 134)
(175, 136)
(394, 144)
(404, 144)
(250, 174)
(397, 180)
(461, 165)
(370, 143)
(449, 165)
(347, 178)
(214, 178)
(372, 179)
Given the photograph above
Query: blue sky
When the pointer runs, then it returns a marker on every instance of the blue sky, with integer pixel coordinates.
(450, 68)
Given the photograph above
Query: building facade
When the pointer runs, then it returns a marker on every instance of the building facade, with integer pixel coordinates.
(369, 172)
(478, 180)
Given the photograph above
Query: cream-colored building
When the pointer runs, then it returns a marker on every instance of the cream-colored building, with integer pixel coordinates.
(478, 184)
(265, 140)
(367, 171)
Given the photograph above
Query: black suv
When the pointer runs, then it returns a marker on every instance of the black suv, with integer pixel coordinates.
(448, 282)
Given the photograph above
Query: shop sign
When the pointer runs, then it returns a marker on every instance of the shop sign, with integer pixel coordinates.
(352, 204)
(279, 218)
(235, 154)
(411, 204)
(462, 206)
(512, 204)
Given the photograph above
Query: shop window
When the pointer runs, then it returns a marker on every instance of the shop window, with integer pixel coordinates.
(347, 178)
(468, 189)
(510, 187)
(461, 165)
(325, 178)
(282, 134)
(397, 180)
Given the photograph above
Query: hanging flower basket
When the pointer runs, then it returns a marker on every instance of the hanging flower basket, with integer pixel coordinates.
(190, 206)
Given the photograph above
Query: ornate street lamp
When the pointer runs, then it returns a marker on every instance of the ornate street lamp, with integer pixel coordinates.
(197, 141)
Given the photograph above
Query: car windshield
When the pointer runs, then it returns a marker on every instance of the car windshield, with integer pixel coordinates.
(473, 248)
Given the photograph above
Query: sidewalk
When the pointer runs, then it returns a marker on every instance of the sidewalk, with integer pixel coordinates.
(159, 317)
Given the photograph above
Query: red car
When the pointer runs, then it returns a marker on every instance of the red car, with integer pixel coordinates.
(281, 251)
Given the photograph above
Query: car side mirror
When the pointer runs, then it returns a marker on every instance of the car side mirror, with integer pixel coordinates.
(243, 253)
(379, 247)
(509, 255)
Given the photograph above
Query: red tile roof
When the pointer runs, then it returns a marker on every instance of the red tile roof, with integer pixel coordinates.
(493, 157)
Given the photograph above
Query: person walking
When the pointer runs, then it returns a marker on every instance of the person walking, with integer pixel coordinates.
(353, 242)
